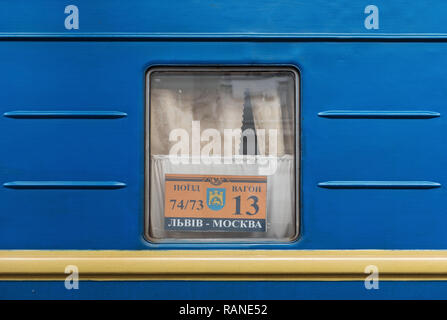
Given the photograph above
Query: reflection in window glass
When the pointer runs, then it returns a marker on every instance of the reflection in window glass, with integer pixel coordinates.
(221, 162)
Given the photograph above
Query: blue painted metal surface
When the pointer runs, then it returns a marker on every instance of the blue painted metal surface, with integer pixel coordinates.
(45, 67)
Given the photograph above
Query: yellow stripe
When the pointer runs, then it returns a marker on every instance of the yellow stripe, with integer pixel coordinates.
(225, 265)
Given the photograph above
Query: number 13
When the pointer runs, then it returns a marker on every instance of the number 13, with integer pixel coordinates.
(254, 205)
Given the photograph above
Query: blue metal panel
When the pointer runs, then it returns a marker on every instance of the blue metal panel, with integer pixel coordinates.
(65, 114)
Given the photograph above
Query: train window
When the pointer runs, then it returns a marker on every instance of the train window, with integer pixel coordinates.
(220, 154)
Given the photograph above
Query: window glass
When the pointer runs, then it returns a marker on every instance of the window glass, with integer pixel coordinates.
(220, 159)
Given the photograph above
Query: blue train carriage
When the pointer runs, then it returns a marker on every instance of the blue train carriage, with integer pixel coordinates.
(222, 149)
